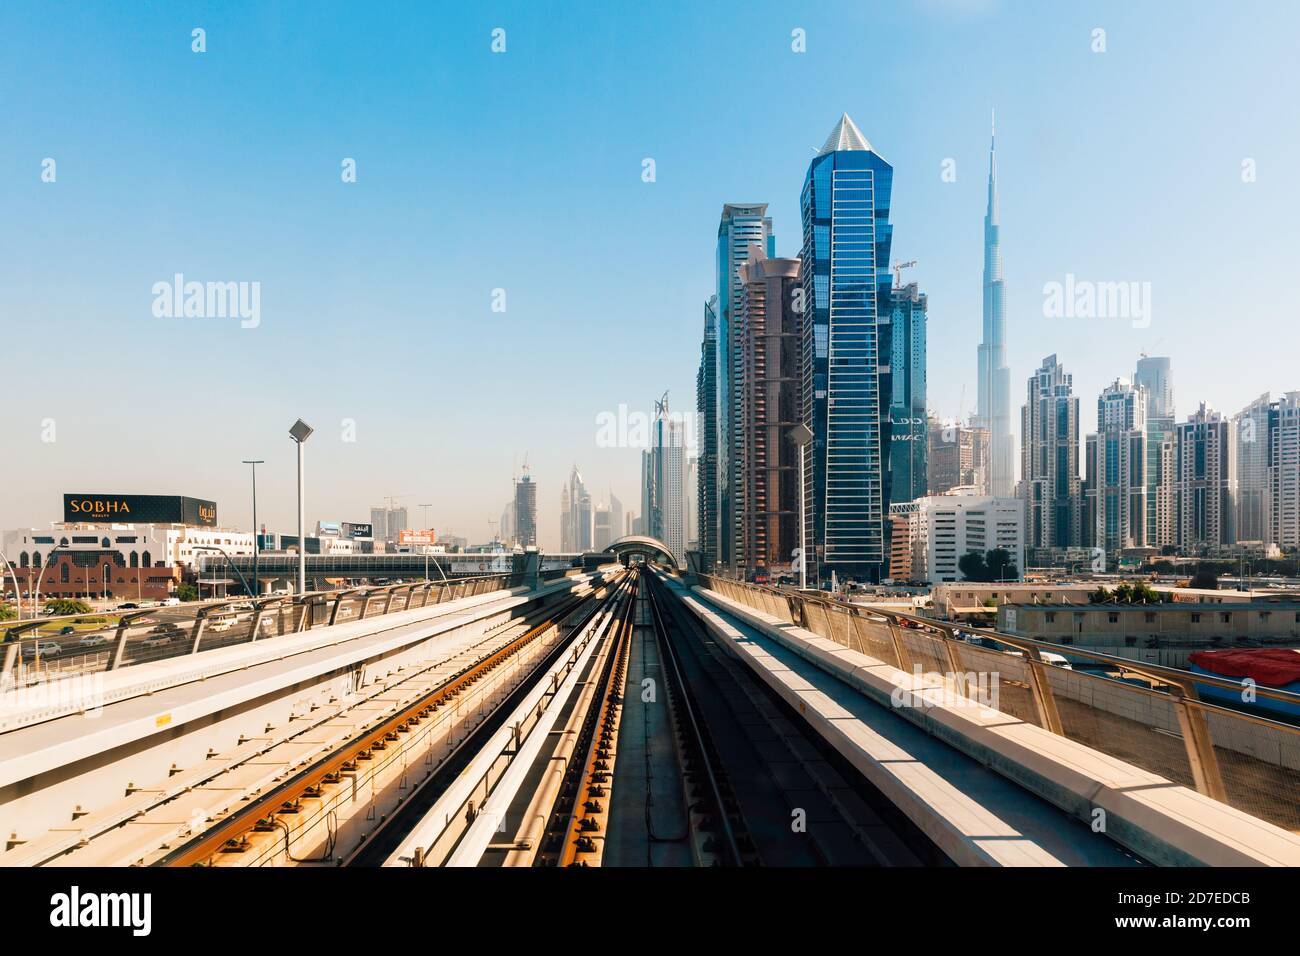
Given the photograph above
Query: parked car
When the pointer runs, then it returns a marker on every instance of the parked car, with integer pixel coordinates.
(44, 648)
(172, 602)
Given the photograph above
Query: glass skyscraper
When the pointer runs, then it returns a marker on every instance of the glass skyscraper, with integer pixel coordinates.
(994, 376)
(909, 426)
(845, 393)
(706, 409)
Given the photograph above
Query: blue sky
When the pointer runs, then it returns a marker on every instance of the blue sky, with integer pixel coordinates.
(522, 171)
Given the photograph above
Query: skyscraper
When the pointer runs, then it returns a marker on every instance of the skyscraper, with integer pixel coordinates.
(1285, 442)
(1154, 375)
(706, 407)
(525, 510)
(1206, 480)
(845, 389)
(1254, 426)
(575, 514)
(1049, 459)
(994, 379)
(663, 482)
(768, 385)
(742, 225)
(1157, 381)
(908, 422)
(1117, 459)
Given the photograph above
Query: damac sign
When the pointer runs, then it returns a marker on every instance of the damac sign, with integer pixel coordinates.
(142, 509)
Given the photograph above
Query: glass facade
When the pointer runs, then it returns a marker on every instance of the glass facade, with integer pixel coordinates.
(909, 429)
(846, 281)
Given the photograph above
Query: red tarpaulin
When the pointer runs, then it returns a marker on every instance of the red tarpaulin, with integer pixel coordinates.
(1271, 667)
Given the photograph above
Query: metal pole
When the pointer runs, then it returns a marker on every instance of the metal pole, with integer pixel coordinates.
(302, 521)
(803, 532)
(256, 549)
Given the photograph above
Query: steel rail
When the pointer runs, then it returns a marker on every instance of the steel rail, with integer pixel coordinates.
(698, 733)
(228, 833)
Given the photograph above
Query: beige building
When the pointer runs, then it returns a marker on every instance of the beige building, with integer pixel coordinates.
(1156, 633)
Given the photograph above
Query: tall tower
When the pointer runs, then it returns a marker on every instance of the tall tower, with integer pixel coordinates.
(741, 226)
(706, 407)
(908, 422)
(1117, 461)
(994, 381)
(845, 389)
(1049, 463)
(525, 510)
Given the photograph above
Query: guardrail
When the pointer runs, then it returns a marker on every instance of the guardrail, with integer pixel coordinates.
(1238, 758)
(158, 633)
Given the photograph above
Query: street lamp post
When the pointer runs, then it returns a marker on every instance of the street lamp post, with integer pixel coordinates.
(300, 432)
(18, 591)
(36, 600)
(426, 528)
(254, 462)
(802, 435)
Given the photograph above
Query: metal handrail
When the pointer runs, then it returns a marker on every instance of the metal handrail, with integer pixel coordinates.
(1190, 710)
(13, 641)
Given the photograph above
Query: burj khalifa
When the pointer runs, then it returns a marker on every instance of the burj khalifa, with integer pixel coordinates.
(993, 410)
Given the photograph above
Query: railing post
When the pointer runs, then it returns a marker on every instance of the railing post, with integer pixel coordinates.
(1043, 694)
(11, 656)
(196, 633)
(427, 588)
(119, 646)
(900, 649)
(259, 611)
(334, 611)
(388, 599)
(1199, 743)
(365, 603)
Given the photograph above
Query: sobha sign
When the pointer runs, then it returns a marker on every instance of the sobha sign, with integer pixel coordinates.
(141, 509)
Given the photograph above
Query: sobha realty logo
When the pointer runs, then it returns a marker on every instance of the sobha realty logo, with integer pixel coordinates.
(76, 909)
(179, 299)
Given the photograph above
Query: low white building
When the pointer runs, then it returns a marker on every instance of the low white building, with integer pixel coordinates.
(943, 528)
(140, 545)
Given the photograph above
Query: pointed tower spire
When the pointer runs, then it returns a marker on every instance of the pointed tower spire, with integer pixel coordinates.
(845, 135)
(993, 168)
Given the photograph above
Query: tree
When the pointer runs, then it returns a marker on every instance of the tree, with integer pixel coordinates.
(1099, 596)
(1000, 566)
(1143, 593)
(992, 566)
(187, 592)
(61, 606)
(7, 612)
(972, 566)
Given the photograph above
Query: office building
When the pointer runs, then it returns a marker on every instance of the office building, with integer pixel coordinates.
(1205, 474)
(1254, 427)
(941, 529)
(769, 335)
(525, 511)
(575, 515)
(1049, 462)
(706, 408)
(958, 457)
(1285, 504)
(742, 226)
(1117, 460)
(908, 421)
(845, 387)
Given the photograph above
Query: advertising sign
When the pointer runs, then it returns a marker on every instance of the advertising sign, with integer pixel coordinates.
(353, 530)
(417, 537)
(140, 509)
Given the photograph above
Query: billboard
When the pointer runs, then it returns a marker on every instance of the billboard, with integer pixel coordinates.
(331, 529)
(141, 509)
(352, 530)
(417, 537)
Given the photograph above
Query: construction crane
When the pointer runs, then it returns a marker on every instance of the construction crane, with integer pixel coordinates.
(898, 272)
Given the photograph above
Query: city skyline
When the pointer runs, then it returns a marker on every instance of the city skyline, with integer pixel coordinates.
(70, 279)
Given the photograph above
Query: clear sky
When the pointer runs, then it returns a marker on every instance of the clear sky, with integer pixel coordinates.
(522, 171)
